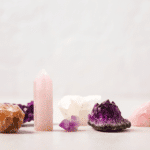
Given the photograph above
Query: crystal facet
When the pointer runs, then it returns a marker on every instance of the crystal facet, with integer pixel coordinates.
(141, 116)
(78, 106)
(70, 125)
(107, 117)
(11, 118)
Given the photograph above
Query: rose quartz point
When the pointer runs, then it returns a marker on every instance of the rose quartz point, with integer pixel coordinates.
(43, 102)
(141, 116)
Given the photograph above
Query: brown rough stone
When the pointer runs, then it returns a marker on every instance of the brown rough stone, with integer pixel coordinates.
(11, 118)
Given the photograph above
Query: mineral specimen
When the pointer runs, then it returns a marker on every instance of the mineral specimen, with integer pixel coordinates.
(11, 118)
(141, 116)
(107, 117)
(78, 106)
(70, 125)
(28, 110)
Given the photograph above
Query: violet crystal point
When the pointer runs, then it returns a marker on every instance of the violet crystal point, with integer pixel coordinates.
(70, 125)
(107, 117)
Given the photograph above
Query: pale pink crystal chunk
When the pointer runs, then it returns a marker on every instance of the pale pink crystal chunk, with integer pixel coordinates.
(141, 116)
(11, 118)
(43, 102)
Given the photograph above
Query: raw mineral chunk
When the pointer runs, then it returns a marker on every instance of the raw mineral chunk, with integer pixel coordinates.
(107, 117)
(70, 125)
(11, 118)
(141, 116)
(77, 106)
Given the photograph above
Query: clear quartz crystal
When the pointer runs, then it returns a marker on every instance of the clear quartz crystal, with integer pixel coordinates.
(78, 106)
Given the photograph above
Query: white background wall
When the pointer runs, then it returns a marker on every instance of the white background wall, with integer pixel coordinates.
(87, 47)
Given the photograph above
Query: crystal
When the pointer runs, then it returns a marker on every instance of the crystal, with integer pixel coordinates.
(28, 110)
(141, 116)
(70, 125)
(43, 102)
(78, 106)
(107, 117)
(11, 118)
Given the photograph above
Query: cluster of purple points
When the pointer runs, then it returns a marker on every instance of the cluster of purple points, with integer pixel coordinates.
(28, 110)
(70, 125)
(105, 111)
(107, 116)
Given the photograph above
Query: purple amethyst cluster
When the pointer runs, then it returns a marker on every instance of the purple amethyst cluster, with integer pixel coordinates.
(107, 117)
(28, 110)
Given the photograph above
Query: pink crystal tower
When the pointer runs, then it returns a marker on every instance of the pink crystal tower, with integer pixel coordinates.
(43, 102)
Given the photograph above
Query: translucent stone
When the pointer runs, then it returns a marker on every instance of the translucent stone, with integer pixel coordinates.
(43, 102)
(70, 125)
(78, 106)
(141, 116)
(11, 118)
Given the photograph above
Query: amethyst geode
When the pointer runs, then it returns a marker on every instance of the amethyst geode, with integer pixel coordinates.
(107, 117)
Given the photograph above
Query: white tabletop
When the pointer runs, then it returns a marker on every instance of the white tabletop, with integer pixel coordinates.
(86, 138)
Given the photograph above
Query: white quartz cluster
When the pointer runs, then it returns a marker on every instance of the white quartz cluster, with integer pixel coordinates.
(78, 106)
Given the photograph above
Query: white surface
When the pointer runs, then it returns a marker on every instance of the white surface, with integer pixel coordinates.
(134, 138)
(86, 138)
(87, 47)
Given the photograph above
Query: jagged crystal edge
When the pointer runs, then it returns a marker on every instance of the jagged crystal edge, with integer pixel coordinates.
(70, 125)
(107, 117)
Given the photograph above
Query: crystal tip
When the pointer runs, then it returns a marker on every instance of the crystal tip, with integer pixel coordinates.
(43, 71)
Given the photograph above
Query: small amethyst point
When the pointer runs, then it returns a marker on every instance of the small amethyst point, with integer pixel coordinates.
(64, 124)
(107, 117)
(70, 125)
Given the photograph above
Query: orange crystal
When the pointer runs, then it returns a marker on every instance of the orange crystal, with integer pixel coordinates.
(11, 118)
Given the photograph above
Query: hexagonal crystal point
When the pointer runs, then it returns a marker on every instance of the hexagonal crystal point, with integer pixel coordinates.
(11, 118)
(78, 106)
